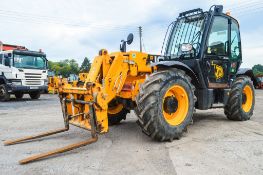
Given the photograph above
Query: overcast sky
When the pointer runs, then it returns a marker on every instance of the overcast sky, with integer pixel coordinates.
(79, 28)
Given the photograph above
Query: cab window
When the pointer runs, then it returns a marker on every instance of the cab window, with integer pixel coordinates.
(218, 37)
(7, 59)
(235, 42)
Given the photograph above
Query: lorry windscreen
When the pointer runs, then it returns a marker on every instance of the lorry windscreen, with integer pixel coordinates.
(29, 61)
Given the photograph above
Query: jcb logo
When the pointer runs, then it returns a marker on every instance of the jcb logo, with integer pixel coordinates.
(219, 71)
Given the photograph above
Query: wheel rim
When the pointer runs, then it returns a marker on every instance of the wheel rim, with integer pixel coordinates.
(2, 92)
(115, 109)
(178, 103)
(247, 98)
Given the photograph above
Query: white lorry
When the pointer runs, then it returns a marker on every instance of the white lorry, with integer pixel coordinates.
(22, 72)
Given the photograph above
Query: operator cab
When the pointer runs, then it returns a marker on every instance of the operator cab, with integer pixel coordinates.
(207, 45)
(208, 42)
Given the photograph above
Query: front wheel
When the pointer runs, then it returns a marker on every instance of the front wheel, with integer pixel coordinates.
(4, 95)
(34, 95)
(241, 101)
(116, 112)
(165, 104)
(19, 95)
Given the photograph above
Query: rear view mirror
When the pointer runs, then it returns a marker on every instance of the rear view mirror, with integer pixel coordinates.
(186, 47)
(130, 39)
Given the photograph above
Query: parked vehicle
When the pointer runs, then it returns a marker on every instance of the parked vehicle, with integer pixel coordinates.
(22, 71)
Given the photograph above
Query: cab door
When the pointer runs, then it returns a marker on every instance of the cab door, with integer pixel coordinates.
(235, 49)
(216, 58)
(5, 67)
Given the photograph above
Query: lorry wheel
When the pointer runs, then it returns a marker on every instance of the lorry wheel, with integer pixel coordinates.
(116, 113)
(4, 95)
(19, 95)
(241, 101)
(165, 104)
(34, 95)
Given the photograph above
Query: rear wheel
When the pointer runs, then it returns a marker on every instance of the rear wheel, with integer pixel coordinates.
(241, 102)
(116, 112)
(19, 95)
(34, 95)
(165, 104)
(4, 95)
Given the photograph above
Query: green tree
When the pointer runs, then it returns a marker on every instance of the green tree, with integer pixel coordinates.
(258, 69)
(50, 64)
(64, 67)
(85, 66)
(74, 67)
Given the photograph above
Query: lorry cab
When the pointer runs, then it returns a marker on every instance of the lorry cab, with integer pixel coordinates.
(22, 72)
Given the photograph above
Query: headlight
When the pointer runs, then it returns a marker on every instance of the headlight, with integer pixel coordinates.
(17, 83)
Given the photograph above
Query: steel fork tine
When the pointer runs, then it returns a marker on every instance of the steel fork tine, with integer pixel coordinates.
(57, 151)
(44, 134)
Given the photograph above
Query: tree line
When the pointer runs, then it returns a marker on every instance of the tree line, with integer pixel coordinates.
(69, 66)
(258, 70)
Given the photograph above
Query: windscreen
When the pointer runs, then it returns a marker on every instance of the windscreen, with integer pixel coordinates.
(186, 30)
(29, 61)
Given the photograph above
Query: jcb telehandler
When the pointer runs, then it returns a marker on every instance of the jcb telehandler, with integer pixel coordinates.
(198, 70)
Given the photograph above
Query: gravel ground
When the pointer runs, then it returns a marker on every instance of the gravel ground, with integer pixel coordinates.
(213, 145)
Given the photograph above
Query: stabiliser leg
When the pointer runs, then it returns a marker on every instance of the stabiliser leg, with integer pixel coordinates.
(59, 150)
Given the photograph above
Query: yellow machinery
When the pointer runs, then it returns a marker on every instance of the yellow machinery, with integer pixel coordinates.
(163, 90)
(83, 77)
(81, 80)
(121, 73)
(54, 82)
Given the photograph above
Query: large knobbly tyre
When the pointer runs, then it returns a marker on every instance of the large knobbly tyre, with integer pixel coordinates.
(241, 101)
(116, 113)
(165, 104)
(4, 95)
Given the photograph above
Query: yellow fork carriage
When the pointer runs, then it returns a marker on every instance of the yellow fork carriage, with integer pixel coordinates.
(116, 75)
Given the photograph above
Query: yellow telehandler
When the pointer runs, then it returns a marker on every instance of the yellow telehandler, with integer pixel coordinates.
(199, 69)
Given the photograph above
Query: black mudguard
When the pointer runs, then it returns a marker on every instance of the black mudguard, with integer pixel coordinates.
(179, 65)
(248, 72)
